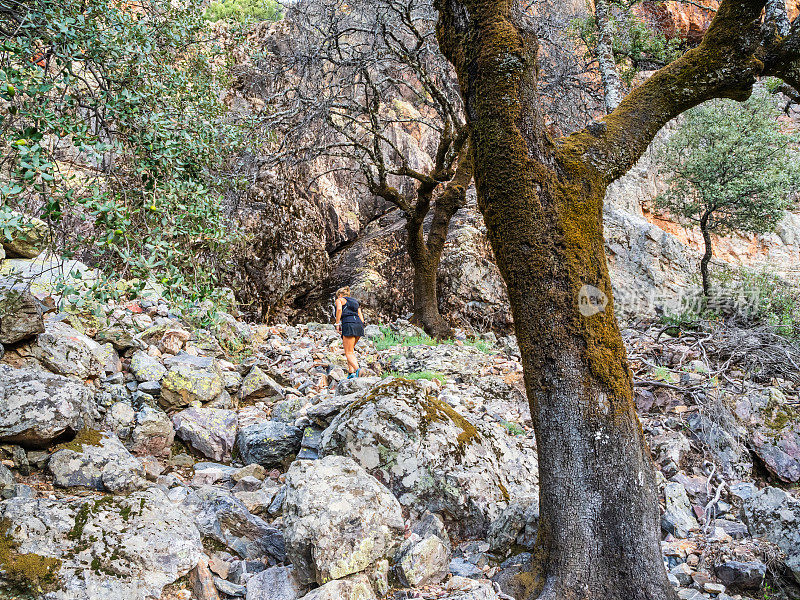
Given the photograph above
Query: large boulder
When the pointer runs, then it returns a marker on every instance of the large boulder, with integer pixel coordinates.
(20, 314)
(67, 351)
(37, 407)
(210, 431)
(432, 457)
(96, 461)
(337, 519)
(122, 548)
(190, 379)
(28, 240)
(774, 515)
(270, 443)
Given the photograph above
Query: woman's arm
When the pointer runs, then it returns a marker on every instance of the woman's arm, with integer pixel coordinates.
(361, 315)
(339, 305)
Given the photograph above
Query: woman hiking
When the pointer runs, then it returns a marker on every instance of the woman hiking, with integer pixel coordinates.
(350, 323)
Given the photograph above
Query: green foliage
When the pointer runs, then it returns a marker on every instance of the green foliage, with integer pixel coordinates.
(635, 44)
(512, 428)
(429, 375)
(390, 339)
(112, 129)
(244, 11)
(732, 163)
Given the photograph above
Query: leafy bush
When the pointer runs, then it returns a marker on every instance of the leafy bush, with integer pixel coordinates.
(244, 11)
(112, 129)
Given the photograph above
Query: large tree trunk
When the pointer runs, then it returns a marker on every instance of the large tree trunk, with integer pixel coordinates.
(599, 518)
(426, 270)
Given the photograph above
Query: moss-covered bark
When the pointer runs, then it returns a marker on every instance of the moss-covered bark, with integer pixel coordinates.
(542, 200)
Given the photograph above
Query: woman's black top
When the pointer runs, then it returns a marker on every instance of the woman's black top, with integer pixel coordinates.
(350, 311)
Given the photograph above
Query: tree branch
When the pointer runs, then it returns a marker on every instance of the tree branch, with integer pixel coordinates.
(723, 65)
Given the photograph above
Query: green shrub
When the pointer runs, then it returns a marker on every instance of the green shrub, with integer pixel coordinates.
(244, 11)
(134, 99)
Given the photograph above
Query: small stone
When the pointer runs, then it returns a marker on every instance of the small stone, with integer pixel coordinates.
(230, 589)
(146, 368)
(202, 582)
(714, 588)
(251, 470)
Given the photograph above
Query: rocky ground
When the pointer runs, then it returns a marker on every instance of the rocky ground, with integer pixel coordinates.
(152, 454)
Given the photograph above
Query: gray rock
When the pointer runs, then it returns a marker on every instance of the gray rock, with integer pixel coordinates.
(37, 407)
(432, 457)
(337, 519)
(464, 588)
(98, 462)
(515, 527)
(144, 540)
(736, 529)
(152, 388)
(678, 518)
(108, 358)
(775, 515)
(748, 575)
(7, 483)
(275, 583)
(20, 314)
(219, 515)
(355, 587)
(210, 431)
(230, 589)
(153, 433)
(146, 368)
(270, 443)
(66, 351)
(422, 560)
(258, 385)
(683, 573)
(190, 379)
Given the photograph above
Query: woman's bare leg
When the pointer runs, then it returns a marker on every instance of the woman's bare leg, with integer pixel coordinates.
(349, 344)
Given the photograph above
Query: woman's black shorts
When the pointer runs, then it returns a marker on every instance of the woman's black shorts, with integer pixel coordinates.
(353, 329)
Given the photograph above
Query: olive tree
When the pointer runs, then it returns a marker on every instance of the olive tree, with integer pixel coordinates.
(542, 200)
(730, 167)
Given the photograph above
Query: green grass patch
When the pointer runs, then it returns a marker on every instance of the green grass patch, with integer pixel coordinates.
(512, 428)
(429, 375)
(390, 339)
